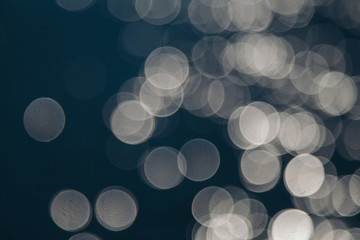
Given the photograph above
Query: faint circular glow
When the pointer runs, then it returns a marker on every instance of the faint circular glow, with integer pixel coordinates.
(211, 16)
(202, 159)
(250, 16)
(116, 208)
(342, 199)
(44, 119)
(354, 188)
(337, 93)
(299, 133)
(123, 10)
(304, 175)
(259, 167)
(208, 55)
(161, 103)
(286, 7)
(229, 226)
(254, 211)
(130, 122)
(166, 68)
(158, 12)
(70, 210)
(291, 224)
(161, 168)
(85, 236)
(210, 203)
(335, 234)
(85, 77)
(75, 5)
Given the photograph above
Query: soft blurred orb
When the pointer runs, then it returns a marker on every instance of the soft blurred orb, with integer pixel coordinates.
(304, 175)
(85, 77)
(161, 168)
(209, 203)
(291, 224)
(341, 234)
(229, 226)
(286, 7)
(260, 55)
(227, 94)
(123, 10)
(210, 16)
(131, 123)
(44, 119)
(260, 167)
(75, 5)
(158, 12)
(250, 15)
(166, 68)
(85, 236)
(159, 102)
(342, 199)
(112, 102)
(299, 132)
(254, 211)
(116, 208)
(354, 187)
(259, 123)
(138, 39)
(337, 93)
(208, 56)
(202, 159)
(70, 210)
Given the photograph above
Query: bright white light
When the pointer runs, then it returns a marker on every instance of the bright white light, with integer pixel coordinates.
(291, 224)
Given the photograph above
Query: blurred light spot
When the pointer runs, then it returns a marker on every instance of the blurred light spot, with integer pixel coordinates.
(337, 93)
(354, 187)
(166, 68)
(342, 234)
(44, 119)
(250, 16)
(291, 224)
(123, 10)
(208, 55)
(85, 236)
(75, 5)
(85, 77)
(161, 168)
(116, 208)
(159, 102)
(70, 210)
(210, 16)
(229, 226)
(202, 159)
(260, 168)
(209, 203)
(130, 122)
(304, 175)
(342, 199)
(299, 132)
(259, 123)
(158, 12)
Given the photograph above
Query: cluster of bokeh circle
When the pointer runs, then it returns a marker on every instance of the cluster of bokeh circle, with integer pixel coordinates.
(310, 110)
